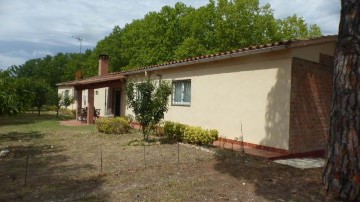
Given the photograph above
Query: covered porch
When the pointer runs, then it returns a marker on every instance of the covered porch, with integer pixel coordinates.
(109, 91)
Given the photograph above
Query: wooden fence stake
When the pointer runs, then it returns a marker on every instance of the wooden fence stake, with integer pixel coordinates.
(26, 168)
(178, 152)
(144, 157)
(101, 160)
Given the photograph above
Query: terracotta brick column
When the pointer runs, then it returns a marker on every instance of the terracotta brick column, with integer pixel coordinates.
(90, 110)
(78, 103)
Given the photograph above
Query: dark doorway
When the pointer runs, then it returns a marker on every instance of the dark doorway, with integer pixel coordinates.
(117, 102)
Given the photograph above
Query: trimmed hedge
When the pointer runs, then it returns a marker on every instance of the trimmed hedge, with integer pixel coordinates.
(174, 130)
(197, 135)
(189, 134)
(118, 125)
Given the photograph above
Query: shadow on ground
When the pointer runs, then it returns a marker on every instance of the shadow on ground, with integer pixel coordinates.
(16, 136)
(50, 176)
(271, 181)
(28, 118)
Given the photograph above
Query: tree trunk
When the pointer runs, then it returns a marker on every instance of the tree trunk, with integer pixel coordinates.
(39, 109)
(145, 132)
(341, 174)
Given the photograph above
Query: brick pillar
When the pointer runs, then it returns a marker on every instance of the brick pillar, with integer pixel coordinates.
(78, 103)
(123, 99)
(103, 64)
(90, 110)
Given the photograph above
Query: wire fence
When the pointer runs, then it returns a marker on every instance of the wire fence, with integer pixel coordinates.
(30, 164)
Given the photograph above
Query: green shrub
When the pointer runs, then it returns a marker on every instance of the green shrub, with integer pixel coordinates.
(118, 125)
(189, 134)
(159, 129)
(174, 130)
(69, 112)
(197, 135)
(169, 129)
(51, 108)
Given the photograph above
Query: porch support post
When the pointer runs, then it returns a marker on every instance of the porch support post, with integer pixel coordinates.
(78, 103)
(90, 110)
(123, 99)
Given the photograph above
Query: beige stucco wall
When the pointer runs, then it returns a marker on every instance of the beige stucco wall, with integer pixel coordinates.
(62, 89)
(235, 92)
(99, 98)
(312, 52)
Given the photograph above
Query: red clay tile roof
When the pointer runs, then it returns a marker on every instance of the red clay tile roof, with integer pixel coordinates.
(204, 58)
(237, 52)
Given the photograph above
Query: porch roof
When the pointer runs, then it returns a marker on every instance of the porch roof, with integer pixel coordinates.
(95, 81)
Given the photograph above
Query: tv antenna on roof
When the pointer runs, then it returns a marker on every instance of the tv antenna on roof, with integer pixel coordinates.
(80, 39)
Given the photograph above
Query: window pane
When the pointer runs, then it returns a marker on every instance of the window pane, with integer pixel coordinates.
(177, 96)
(182, 92)
(187, 92)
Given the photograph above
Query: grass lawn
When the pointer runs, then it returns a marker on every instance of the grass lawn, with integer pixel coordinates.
(65, 165)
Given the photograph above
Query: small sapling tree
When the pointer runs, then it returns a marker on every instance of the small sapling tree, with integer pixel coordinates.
(68, 100)
(149, 102)
(58, 100)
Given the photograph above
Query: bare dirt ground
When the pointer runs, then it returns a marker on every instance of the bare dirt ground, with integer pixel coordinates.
(64, 164)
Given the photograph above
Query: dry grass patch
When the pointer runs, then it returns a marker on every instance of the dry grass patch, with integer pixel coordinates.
(65, 165)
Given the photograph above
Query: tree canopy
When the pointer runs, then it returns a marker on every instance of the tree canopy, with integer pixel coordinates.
(181, 31)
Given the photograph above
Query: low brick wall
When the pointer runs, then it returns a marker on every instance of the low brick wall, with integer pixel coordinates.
(255, 146)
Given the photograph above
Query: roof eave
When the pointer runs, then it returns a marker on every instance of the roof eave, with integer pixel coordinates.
(209, 59)
(92, 80)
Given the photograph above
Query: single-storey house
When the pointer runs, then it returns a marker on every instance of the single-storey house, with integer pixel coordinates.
(275, 96)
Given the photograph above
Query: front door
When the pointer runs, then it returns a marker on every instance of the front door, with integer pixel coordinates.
(117, 102)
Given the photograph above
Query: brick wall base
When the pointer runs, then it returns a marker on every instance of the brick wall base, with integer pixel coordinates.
(255, 146)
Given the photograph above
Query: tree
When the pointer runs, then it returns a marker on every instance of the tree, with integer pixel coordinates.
(294, 27)
(148, 102)
(15, 95)
(41, 94)
(25, 96)
(58, 100)
(182, 31)
(8, 99)
(67, 100)
(341, 174)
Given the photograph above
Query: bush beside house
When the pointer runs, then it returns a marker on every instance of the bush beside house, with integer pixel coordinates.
(118, 125)
(190, 134)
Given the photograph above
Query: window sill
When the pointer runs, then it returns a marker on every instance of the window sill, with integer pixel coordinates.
(180, 105)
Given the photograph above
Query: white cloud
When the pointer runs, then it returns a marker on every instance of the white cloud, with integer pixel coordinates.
(40, 53)
(48, 25)
(7, 61)
(325, 13)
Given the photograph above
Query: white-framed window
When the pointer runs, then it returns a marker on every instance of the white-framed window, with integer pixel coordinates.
(181, 92)
(66, 93)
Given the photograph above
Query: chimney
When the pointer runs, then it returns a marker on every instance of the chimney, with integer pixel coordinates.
(103, 64)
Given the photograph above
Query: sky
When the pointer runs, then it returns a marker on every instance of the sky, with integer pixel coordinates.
(36, 28)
